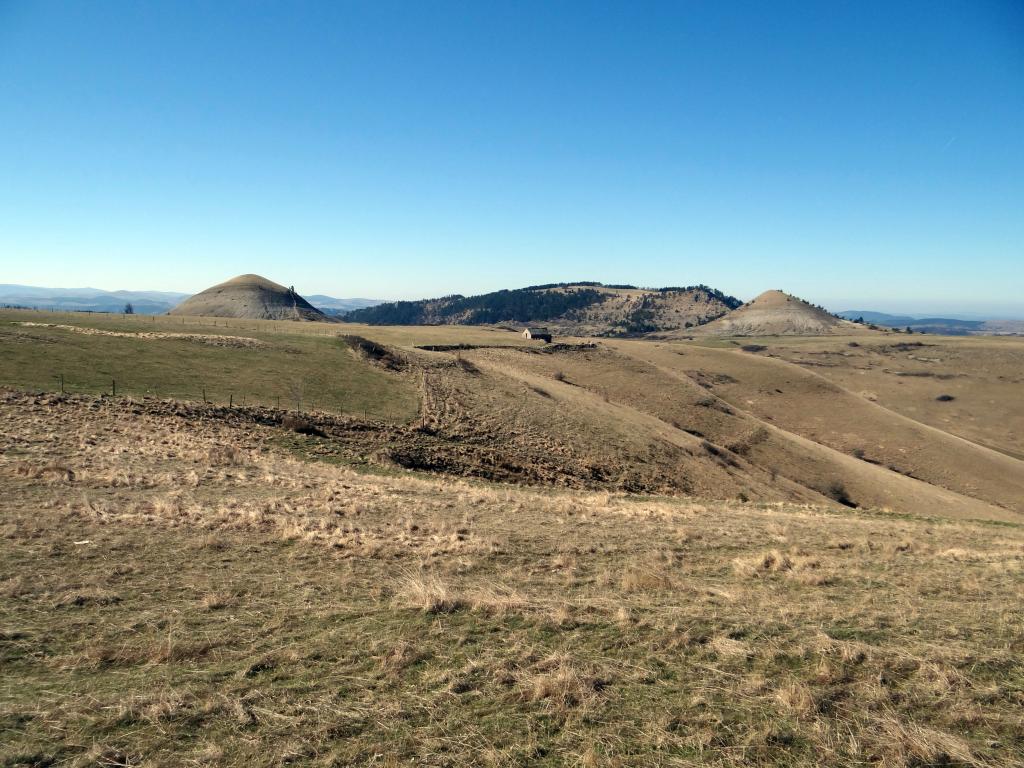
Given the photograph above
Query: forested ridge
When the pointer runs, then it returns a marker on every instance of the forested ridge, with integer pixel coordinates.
(533, 304)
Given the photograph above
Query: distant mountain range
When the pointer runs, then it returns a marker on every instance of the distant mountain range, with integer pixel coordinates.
(947, 326)
(89, 299)
(143, 302)
(878, 318)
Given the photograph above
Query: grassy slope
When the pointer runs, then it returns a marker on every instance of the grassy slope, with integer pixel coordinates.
(191, 598)
(621, 383)
(984, 374)
(800, 400)
(295, 360)
(609, 413)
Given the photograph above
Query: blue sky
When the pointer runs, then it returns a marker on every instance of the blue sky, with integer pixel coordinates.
(863, 155)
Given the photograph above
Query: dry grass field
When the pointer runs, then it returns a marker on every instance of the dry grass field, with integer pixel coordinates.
(719, 552)
(983, 375)
(182, 591)
(806, 402)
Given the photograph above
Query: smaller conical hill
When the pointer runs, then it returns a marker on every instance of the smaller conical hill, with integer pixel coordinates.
(775, 313)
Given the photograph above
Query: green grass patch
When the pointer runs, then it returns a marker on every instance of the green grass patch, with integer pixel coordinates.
(289, 369)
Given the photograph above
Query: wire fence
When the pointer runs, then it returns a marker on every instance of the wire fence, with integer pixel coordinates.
(172, 322)
(224, 397)
(286, 393)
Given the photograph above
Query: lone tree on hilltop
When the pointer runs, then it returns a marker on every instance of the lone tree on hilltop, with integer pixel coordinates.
(129, 309)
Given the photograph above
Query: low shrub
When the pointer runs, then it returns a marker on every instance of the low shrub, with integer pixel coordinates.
(301, 425)
(837, 492)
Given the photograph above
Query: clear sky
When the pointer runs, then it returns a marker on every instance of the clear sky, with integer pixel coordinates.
(865, 155)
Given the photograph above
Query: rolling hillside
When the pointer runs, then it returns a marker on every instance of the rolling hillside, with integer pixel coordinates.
(180, 589)
(628, 542)
(630, 415)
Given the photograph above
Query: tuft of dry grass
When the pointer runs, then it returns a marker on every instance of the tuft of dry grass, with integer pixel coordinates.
(86, 596)
(426, 592)
(769, 562)
(226, 455)
(497, 600)
(910, 744)
(796, 698)
(644, 580)
(218, 600)
(14, 587)
(562, 683)
(800, 568)
(52, 471)
(400, 657)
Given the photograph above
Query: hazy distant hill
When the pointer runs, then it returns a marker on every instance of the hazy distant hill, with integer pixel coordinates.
(89, 299)
(878, 318)
(332, 306)
(947, 326)
(584, 308)
(143, 302)
(955, 327)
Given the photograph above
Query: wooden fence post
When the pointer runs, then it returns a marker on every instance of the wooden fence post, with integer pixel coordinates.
(113, 388)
